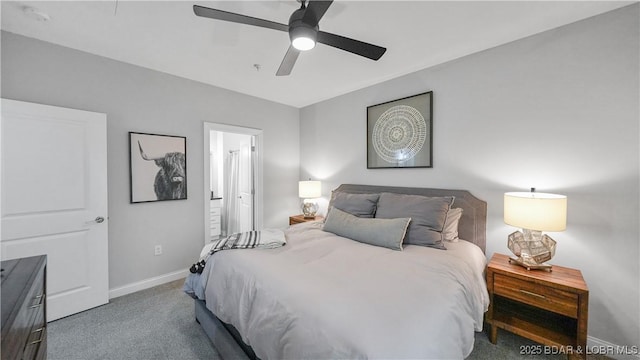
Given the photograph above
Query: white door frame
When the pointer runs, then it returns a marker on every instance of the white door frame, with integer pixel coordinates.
(257, 175)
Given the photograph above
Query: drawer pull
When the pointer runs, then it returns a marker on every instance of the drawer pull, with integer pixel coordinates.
(41, 330)
(532, 294)
(39, 301)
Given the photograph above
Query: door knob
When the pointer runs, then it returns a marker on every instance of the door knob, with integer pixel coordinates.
(99, 219)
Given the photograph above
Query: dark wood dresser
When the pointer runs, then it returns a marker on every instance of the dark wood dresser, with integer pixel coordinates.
(24, 309)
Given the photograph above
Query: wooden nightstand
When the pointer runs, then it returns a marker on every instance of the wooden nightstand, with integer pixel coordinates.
(297, 219)
(550, 308)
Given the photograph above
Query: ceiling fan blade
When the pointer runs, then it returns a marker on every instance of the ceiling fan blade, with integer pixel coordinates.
(315, 11)
(373, 52)
(237, 18)
(289, 60)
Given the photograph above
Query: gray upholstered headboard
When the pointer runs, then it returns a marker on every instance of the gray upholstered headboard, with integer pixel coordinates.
(473, 224)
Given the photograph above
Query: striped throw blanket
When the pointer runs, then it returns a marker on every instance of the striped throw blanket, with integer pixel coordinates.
(255, 239)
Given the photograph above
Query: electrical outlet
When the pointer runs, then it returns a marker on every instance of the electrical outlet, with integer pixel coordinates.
(158, 250)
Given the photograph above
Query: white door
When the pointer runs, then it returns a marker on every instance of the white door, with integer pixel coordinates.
(245, 198)
(54, 200)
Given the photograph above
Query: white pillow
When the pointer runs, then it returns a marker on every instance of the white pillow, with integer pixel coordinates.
(450, 230)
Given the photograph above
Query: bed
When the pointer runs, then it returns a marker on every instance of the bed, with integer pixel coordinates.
(325, 296)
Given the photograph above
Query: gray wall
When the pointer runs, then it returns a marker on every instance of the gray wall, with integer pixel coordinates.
(138, 99)
(557, 111)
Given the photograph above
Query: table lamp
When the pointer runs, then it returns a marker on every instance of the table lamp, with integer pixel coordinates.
(308, 190)
(534, 212)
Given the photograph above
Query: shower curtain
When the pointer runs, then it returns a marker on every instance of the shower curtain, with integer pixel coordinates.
(231, 211)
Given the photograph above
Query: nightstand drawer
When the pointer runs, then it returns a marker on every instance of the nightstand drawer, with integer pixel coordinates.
(544, 297)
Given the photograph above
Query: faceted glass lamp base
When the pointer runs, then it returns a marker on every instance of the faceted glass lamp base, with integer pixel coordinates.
(309, 209)
(529, 266)
(532, 249)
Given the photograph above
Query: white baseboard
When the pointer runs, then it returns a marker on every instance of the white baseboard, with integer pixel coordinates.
(601, 347)
(147, 283)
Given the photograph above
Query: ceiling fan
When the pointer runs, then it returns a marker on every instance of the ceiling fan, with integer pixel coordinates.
(303, 31)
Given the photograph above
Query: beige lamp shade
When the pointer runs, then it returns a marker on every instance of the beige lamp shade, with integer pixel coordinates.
(535, 211)
(309, 189)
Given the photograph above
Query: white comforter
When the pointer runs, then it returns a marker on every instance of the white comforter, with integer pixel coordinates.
(327, 297)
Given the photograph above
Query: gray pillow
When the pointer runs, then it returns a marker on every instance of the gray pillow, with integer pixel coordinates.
(379, 232)
(360, 205)
(428, 215)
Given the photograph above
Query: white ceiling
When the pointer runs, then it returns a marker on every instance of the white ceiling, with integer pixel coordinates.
(168, 37)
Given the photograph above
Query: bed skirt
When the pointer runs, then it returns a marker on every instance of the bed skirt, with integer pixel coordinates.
(224, 337)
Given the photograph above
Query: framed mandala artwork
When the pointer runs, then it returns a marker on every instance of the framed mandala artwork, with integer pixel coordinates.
(399, 133)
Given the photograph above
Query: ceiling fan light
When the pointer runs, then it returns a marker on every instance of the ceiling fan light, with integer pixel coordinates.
(303, 38)
(303, 43)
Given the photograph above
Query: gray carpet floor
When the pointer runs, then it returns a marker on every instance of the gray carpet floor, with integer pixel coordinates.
(159, 323)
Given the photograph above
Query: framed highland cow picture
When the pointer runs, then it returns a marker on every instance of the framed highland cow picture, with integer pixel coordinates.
(157, 167)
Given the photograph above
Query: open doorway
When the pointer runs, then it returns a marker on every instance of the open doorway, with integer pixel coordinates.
(233, 182)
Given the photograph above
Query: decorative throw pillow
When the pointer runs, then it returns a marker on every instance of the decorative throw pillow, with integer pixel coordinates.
(428, 215)
(450, 231)
(360, 205)
(379, 232)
